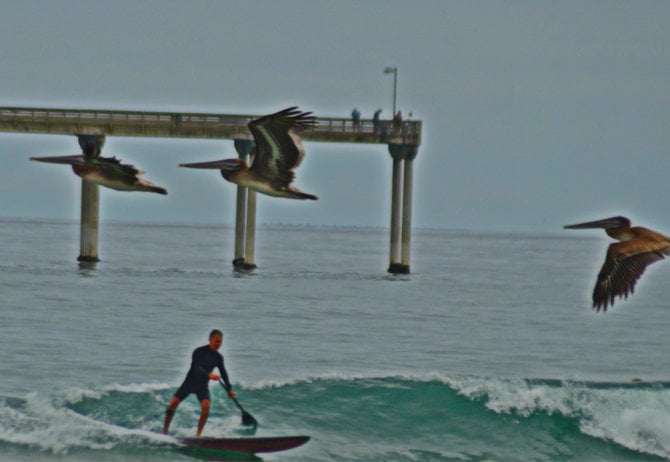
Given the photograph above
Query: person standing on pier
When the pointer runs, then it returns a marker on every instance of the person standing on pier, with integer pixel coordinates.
(356, 118)
(375, 121)
(397, 121)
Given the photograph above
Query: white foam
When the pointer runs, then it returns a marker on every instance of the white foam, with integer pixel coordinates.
(636, 418)
(76, 394)
(37, 422)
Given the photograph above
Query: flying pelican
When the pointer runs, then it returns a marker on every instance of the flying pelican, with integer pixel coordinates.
(105, 171)
(277, 154)
(626, 260)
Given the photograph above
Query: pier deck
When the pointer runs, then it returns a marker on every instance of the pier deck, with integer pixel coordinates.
(193, 125)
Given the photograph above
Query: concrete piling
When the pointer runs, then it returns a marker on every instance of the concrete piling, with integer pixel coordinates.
(245, 215)
(250, 239)
(407, 207)
(401, 206)
(88, 228)
(396, 185)
(90, 205)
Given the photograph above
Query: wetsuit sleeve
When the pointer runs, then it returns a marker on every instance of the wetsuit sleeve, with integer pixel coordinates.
(224, 374)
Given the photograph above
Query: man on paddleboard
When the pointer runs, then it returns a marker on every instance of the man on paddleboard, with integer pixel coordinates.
(204, 360)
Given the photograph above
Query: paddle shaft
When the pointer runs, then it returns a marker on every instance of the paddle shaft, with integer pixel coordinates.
(237, 403)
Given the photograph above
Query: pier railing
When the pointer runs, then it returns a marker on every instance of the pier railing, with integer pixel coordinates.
(195, 125)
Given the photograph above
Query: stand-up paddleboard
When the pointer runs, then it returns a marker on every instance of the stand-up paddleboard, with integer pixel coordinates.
(249, 445)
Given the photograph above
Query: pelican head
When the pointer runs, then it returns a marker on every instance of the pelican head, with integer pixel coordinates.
(226, 165)
(607, 223)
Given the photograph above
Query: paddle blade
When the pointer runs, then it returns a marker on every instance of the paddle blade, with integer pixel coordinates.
(248, 419)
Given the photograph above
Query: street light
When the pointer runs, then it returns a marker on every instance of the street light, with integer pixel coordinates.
(394, 71)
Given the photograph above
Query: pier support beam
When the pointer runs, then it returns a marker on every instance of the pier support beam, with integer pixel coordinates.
(250, 239)
(89, 222)
(401, 206)
(245, 216)
(396, 186)
(90, 205)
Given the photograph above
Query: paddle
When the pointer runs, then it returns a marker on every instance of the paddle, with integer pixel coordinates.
(247, 419)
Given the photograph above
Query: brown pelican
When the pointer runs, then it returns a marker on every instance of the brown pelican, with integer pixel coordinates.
(626, 260)
(277, 154)
(105, 171)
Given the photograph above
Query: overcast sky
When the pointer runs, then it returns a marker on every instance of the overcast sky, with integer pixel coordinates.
(535, 114)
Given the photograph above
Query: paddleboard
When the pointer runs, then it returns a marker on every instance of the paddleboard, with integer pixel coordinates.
(249, 445)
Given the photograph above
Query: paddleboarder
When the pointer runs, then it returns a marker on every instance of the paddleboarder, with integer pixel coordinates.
(204, 360)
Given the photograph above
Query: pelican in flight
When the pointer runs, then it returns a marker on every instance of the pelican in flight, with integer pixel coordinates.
(278, 152)
(105, 171)
(626, 260)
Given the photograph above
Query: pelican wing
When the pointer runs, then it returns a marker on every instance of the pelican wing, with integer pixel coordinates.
(122, 177)
(624, 265)
(279, 147)
(113, 167)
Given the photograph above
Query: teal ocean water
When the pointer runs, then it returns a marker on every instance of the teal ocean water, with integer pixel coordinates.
(487, 351)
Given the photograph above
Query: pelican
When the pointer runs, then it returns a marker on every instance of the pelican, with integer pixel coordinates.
(626, 260)
(105, 171)
(278, 152)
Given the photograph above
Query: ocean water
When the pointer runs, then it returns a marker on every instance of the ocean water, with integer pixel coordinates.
(487, 351)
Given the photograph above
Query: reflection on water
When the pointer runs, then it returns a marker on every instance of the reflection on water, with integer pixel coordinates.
(87, 268)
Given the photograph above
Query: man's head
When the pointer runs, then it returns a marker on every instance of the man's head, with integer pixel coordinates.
(215, 339)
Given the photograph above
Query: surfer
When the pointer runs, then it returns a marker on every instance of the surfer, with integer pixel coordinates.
(204, 360)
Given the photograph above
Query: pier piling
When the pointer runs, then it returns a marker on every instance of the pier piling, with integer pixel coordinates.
(401, 206)
(88, 228)
(250, 239)
(245, 215)
(90, 205)
(396, 186)
(408, 173)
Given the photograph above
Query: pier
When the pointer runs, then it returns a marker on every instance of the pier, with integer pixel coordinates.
(403, 140)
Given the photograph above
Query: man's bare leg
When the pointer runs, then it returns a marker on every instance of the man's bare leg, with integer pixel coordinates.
(169, 413)
(204, 413)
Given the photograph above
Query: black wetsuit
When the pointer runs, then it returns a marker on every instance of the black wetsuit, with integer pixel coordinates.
(204, 360)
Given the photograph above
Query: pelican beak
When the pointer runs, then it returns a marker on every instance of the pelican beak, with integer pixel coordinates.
(70, 160)
(226, 164)
(215, 164)
(613, 222)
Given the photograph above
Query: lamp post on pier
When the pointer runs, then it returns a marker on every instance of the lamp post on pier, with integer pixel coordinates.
(393, 70)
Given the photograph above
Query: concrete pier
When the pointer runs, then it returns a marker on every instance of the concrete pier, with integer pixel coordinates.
(396, 194)
(240, 225)
(90, 205)
(193, 125)
(401, 206)
(403, 140)
(88, 228)
(243, 148)
(407, 207)
(245, 215)
(250, 239)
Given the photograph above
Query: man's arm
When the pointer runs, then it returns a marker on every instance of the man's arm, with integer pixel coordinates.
(224, 374)
(224, 377)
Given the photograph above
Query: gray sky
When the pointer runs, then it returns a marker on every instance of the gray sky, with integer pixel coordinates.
(536, 113)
